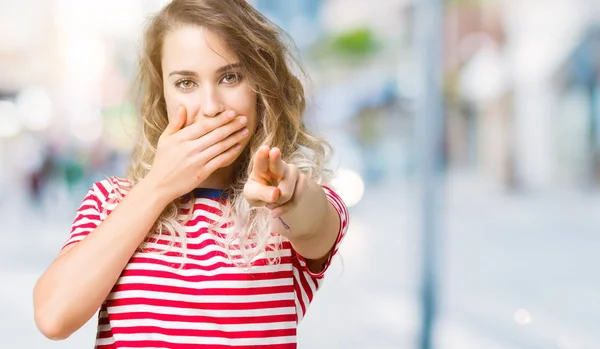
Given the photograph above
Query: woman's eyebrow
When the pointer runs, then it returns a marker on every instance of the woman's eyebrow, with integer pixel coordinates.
(183, 73)
(228, 67)
(222, 69)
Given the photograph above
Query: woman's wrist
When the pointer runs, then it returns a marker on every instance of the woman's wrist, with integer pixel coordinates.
(309, 201)
(156, 190)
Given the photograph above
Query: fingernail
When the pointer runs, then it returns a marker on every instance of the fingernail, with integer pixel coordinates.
(237, 146)
(243, 120)
(245, 132)
(231, 114)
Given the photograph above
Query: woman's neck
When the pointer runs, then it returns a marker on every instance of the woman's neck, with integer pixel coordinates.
(220, 179)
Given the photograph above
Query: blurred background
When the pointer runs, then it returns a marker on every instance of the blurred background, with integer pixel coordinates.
(517, 206)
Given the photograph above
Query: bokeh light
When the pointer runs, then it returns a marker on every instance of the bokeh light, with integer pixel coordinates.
(350, 186)
(522, 317)
(9, 119)
(35, 108)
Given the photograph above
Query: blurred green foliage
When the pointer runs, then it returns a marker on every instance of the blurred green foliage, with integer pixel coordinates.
(353, 45)
(359, 41)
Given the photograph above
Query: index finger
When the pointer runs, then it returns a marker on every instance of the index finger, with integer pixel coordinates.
(260, 168)
(276, 164)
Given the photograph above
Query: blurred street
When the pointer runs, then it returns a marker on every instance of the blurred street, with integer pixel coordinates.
(501, 253)
(519, 146)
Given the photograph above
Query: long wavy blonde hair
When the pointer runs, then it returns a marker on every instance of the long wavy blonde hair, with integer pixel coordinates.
(267, 64)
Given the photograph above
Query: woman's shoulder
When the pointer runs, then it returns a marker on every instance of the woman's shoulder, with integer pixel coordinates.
(110, 189)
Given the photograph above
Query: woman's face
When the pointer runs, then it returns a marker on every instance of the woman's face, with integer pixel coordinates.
(202, 74)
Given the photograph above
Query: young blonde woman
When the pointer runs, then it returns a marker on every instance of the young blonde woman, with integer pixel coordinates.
(223, 230)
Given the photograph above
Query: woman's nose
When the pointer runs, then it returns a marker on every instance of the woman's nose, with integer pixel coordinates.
(211, 103)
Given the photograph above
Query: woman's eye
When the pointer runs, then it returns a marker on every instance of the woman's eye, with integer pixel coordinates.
(230, 78)
(185, 84)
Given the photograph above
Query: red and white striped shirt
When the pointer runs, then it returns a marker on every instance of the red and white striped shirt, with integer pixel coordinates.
(210, 302)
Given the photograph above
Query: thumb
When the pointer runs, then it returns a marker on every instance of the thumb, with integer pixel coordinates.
(176, 122)
(258, 194)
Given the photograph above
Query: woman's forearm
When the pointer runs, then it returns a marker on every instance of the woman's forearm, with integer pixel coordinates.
(313, 222)
(74, 286)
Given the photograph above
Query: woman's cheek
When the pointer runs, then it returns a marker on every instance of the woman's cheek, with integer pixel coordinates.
(174, 100)
(171, 104)
(246, 101)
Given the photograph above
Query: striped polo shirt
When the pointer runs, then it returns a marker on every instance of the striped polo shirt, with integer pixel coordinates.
(162, 300)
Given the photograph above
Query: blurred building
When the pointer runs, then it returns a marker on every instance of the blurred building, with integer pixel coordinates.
(503, 100)
(522, 114)
(578, 116)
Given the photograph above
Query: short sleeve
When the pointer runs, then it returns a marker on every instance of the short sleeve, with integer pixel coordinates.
(306, 282)
(92, 210)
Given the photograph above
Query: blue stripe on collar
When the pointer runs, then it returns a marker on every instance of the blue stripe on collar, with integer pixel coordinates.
(207, 193)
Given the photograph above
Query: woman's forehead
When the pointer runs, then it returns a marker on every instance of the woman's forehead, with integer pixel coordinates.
(195, 48)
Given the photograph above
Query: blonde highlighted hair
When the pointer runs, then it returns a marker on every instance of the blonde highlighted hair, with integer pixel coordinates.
(267, 64)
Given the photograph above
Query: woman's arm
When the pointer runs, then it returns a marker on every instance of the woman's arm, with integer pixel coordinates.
(74, 286)
(313, 223)
(300, 208)
(81, 277)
